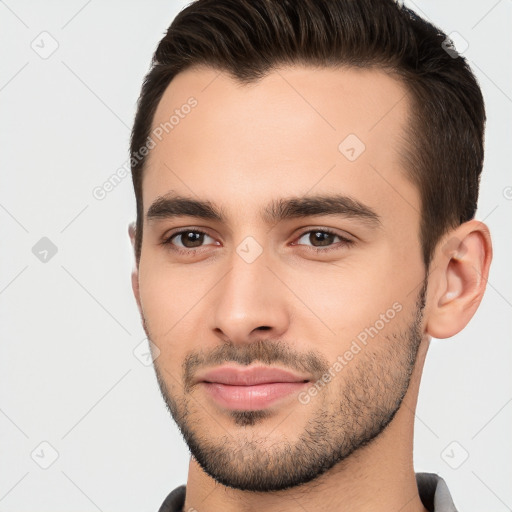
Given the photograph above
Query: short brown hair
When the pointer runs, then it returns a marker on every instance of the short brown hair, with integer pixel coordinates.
(249, 38)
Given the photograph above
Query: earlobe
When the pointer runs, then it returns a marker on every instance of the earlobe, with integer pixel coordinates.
(462, 263)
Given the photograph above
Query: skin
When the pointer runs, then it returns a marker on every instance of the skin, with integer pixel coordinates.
(351, 446)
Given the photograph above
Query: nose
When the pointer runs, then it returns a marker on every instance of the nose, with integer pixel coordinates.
(250, 300)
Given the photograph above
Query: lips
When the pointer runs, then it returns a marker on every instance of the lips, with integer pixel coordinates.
(232, 376)
(246, 389)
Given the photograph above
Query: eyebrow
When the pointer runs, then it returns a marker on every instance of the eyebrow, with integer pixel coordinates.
(171, 205)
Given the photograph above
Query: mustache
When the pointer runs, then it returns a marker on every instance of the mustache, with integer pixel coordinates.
(267, 352)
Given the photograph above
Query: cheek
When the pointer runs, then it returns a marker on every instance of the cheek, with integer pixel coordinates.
(351, 298)
(166, 295)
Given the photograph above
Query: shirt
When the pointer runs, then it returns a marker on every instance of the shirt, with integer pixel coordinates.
(432, 489)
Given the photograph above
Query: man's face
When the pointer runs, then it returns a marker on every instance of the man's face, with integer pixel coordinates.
(319, 287)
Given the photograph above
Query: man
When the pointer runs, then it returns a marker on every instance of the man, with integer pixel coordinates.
(306, 176)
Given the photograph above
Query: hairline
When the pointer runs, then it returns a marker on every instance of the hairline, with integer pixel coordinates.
(410, 134)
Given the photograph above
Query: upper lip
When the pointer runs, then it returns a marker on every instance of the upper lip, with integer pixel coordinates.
(249, 376)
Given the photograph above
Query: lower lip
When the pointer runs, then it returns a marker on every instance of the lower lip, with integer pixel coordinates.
(251, 398)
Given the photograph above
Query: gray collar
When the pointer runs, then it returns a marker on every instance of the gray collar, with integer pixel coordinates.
(434, 493)
(432, 489)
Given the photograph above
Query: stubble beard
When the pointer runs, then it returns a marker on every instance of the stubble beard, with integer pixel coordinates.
(371, 390)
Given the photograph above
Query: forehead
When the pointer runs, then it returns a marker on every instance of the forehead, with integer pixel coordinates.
(298, 130)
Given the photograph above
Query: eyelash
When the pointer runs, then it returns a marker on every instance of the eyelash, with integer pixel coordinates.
(190, 252)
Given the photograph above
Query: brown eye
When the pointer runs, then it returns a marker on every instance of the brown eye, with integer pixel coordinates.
(190, 239)
(323, 240)
(318, 238)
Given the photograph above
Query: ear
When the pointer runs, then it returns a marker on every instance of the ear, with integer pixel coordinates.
(461, 268)
(135, 271)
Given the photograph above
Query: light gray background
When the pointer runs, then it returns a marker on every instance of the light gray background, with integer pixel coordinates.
(69, 326)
